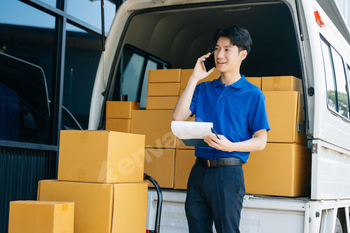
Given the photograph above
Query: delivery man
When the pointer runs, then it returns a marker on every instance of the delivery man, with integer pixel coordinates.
(237, 110)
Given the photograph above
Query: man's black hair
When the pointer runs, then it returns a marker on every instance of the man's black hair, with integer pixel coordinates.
(238, 36)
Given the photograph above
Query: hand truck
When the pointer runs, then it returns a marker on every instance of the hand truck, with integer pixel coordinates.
(159, 203)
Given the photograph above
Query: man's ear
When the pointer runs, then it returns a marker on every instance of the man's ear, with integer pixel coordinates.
(243, 54)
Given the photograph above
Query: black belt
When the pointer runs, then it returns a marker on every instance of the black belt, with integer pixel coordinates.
(218, 162)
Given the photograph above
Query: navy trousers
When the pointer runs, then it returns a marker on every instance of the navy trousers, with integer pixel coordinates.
(214, 195)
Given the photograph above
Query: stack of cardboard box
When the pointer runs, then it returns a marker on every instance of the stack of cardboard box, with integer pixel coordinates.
(154, 122)
(118, 115)
(167, 158)
(283, 167)
(102, 173)
(163, 90)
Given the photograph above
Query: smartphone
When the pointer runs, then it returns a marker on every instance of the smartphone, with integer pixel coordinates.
(209, 62)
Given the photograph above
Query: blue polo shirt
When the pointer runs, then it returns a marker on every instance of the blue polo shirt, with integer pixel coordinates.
(237, 112)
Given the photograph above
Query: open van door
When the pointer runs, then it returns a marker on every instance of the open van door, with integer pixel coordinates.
(328, 58)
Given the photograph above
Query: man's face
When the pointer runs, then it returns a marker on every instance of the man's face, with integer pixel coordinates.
(227, 57)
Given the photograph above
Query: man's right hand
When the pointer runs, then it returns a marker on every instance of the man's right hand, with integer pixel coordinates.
(182, 109)
(199, 71)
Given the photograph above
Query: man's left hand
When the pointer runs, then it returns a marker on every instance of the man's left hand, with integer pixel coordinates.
(223, 144)
(258, 142)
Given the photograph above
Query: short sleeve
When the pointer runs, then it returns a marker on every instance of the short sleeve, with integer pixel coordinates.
(194, 101)
(257, 117)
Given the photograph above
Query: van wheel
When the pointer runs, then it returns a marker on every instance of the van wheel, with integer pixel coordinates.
(338, 228)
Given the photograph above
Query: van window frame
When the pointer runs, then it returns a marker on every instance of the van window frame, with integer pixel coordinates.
(343, 63)
(347, 75)
(143, 78)
(346, 70)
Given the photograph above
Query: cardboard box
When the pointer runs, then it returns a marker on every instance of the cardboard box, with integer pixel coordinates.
(186, 74)
(101, 156)
(164, 76)
(255, 80)
(155, 124)
(119, 125)
(120, 109)
(167, 102)
(282, 169)
(163, 89)
(160, 164)
(184, 162)
(41, 217)
(282, 83)
(284, 112)
(102, 208)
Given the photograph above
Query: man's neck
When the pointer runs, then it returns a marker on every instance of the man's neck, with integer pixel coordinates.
(230, 78)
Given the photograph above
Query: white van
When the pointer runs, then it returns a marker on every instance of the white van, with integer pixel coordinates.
(307, 39)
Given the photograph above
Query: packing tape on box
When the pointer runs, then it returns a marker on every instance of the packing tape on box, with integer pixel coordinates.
(82, 174)
(276, 80)
(64, 207)
(84, 137)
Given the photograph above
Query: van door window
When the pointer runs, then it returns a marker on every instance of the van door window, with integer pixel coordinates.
(132, 74)
(337, 94)
(342, 94)
(331, 97)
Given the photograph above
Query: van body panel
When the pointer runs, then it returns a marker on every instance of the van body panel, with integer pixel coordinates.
(330, 172)
(261, 214)
(107, 59)
(335, 15)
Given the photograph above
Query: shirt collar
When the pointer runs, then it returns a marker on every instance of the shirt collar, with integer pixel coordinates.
(217, 82)
(239, 84)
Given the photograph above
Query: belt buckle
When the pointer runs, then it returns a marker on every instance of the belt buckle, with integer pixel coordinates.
(208, 162)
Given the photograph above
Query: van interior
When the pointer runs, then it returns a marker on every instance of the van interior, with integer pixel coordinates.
(175, 37)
